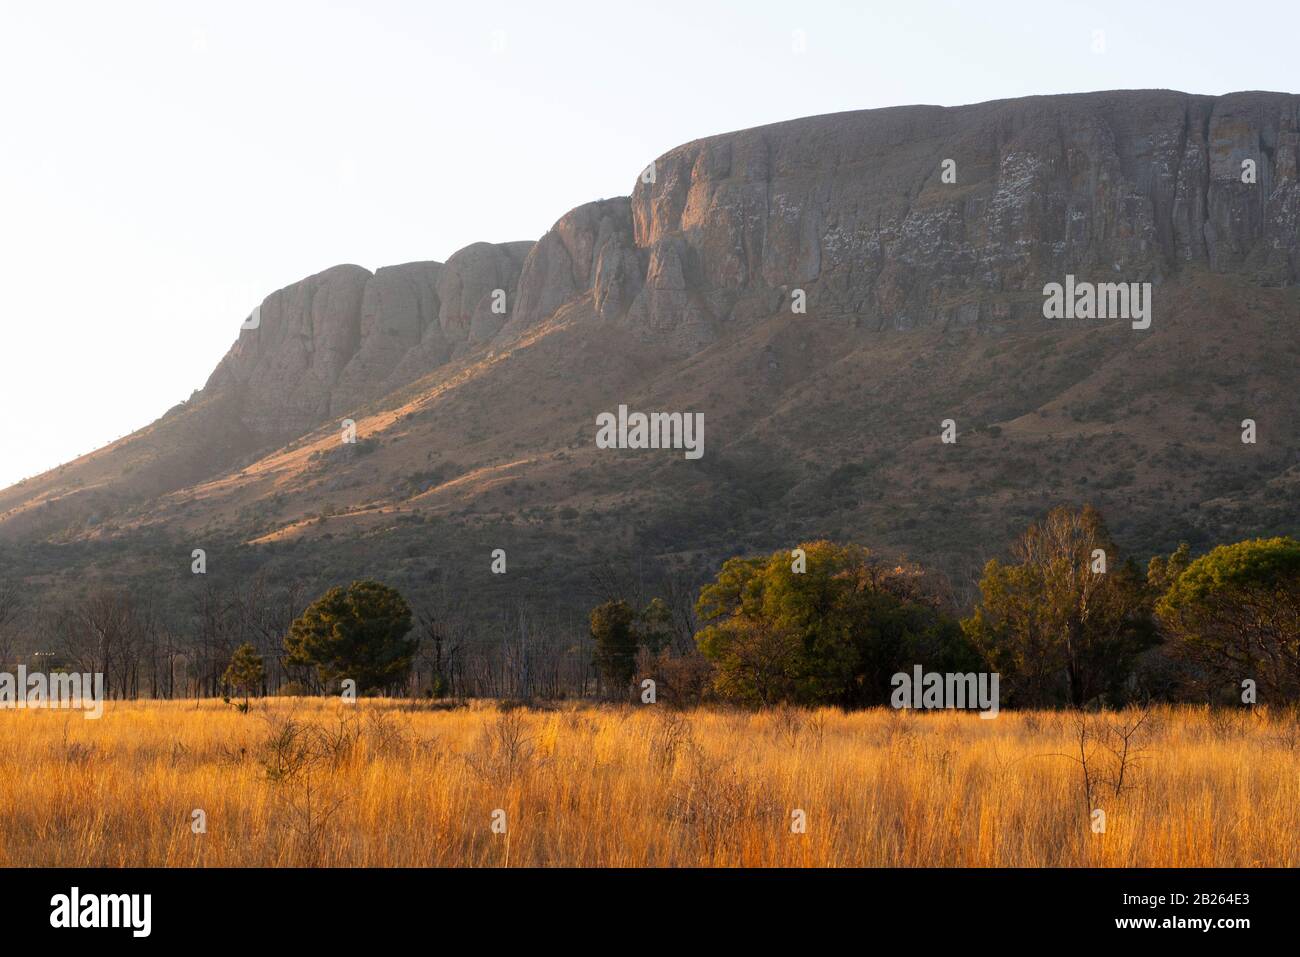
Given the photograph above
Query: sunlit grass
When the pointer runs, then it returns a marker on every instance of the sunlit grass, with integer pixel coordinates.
(390, 783)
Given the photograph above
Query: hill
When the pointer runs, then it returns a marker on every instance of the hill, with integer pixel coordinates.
(919, 241)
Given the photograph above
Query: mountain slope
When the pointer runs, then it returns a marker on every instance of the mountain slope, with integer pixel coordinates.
(474, 384)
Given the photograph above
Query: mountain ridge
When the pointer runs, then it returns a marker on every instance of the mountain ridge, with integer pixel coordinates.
(681, 293)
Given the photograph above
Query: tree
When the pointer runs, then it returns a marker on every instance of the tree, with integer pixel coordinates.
(1066, 621)
(834, 631)
(439, 649)
(1163, 572)
(11, 602)
(358, 633)
(614, 632)
(619, 631)
(655, 626)
(263, 615)
(245, 672)
(1236, 613)
(216, 633)
(104, 634)
(758, 662)
(1159, 672)
(680, 589)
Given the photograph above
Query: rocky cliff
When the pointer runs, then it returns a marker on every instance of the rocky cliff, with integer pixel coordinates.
(852, 208)
(326, 345)
(921, 238)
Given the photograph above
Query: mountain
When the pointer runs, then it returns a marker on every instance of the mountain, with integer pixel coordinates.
(919, 240)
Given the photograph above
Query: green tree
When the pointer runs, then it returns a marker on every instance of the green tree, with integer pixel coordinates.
(359, 632)
(245, 672)
(830, 628)
(1235, 612)
(1159, 673)
(613, 628)
(1055, 625)
(1163, 572)
(655, 626)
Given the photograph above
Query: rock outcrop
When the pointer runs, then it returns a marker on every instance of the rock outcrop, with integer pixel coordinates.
(590, 249)
(477, 292)
(324, 346)
(853, 207)
(285, 366)
(883, 218)
(400, 334)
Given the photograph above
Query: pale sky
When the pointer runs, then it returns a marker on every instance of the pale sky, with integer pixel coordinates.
(164, 166)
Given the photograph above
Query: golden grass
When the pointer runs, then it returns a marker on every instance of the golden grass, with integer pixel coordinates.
(391, 783)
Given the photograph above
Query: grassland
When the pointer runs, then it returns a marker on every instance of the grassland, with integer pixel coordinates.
(319, 782)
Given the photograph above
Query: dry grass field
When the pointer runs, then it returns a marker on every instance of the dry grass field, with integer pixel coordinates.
(318, 782)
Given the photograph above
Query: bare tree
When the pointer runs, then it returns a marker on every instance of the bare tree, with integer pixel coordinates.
(11, 606)
(265, 615)
(609, 582)
(680, 590)
(217, 627)
(100, 635)
(439, 647)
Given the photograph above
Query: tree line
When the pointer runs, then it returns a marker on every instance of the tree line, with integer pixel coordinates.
(1065, 621)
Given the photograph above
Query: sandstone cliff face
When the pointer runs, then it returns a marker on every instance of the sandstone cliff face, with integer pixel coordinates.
(399, 334)
(285, 369)
(329, 343)
(590, 249)
(852, 208)
(467, 291)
